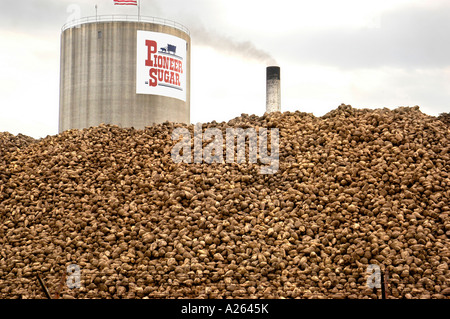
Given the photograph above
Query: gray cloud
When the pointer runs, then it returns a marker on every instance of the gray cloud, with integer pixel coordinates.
(33, 15)
(407, 37)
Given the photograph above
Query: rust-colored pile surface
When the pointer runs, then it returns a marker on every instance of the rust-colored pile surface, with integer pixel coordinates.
(444, 117)
(354, 188)
(10, 143)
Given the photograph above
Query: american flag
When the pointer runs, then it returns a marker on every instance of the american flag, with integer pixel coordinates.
(125, 2)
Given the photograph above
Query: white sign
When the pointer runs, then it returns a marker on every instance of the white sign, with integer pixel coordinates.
(161, 65)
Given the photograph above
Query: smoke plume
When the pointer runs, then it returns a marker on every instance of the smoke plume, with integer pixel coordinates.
(245, 49)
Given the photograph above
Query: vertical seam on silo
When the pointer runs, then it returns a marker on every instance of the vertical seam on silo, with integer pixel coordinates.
(88, 73)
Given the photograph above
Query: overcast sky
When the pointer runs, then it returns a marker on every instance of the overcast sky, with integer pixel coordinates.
(369, 54)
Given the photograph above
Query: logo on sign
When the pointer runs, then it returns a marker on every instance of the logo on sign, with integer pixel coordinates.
(165, 66)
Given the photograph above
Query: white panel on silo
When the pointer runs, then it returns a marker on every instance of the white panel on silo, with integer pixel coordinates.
(160, 66)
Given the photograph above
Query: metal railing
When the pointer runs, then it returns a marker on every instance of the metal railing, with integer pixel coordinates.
(126, 18)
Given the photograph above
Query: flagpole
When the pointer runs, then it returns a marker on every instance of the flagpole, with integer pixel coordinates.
(139, 10)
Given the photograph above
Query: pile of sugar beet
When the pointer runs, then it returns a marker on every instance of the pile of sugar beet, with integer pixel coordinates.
(354, 187)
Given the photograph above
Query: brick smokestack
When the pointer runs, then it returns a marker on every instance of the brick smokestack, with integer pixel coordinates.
(273, 89)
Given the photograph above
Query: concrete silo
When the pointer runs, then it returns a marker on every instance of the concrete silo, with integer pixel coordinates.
(127, 71)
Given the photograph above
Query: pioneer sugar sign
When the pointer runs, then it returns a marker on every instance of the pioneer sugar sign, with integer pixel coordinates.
(160, 67)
